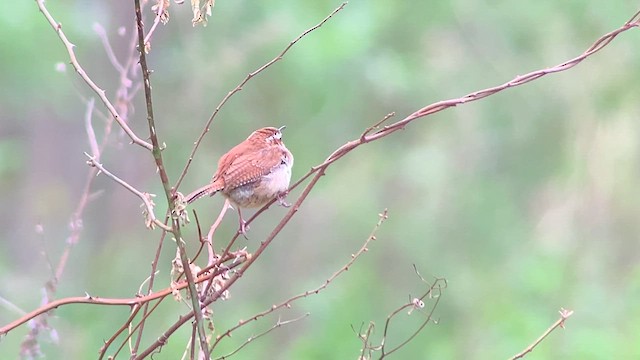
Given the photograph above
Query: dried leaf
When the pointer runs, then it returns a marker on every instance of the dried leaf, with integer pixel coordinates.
(161, 8)
(200, 14)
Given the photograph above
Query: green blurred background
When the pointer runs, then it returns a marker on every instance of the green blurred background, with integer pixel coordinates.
(525, 202)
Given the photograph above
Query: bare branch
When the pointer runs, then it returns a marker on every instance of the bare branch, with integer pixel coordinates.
(91, 135)
(132, 330)
(433, 292)
(287, 303)
(168, 191)
(144, 196)
(102, 34)
(125, 93)
(132, 315)
(517, 81)
(57, 27)
(94, 300)
(212, 259)
(162, 14)
(75, 227)
(278, 324)
(146, 312)
(365, 352)
(212, 230)
(564, 315)
(8, 305)
(376, 126)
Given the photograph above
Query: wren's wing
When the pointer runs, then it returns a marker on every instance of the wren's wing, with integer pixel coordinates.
(250, 167)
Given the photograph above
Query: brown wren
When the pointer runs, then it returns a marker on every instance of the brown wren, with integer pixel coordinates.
(252, 173)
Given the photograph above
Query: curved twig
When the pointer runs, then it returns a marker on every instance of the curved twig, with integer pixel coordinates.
(57, 27)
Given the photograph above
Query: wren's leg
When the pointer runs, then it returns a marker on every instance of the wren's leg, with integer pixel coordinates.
(281, 200)
(243, 224)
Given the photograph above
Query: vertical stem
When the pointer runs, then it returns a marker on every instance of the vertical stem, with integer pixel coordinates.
(157, 155)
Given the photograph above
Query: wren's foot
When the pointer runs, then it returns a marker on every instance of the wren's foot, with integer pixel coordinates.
(243, 225)
(243, 229)
(281, 200)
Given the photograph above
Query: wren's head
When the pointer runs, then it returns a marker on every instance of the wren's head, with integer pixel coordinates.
(269, 135)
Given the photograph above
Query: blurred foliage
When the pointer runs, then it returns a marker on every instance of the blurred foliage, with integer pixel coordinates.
(525, 201)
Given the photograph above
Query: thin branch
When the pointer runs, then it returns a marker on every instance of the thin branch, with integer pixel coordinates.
(415, 303)
(94, 300)
(105, 346)
(122, 101)
(287, 303)
(365, 352)
(168, 191)
(76, 218)
(564, 315)
(434, 291)
(212, 230)
(8, 305)
(280, 56)
(376, 126)
(57, 27)
(91, 135)
(192, 342)
(145, 197)
(425, 111)
(75, 225)
(134, 311)
(517, 81)
(161, 15)
(132, 331)
(102, 34)
(212, 259)
(278, 324)
(200, 237)
(146, 312)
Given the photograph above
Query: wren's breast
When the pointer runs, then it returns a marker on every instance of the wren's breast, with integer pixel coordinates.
(260, 192)
(278, 180)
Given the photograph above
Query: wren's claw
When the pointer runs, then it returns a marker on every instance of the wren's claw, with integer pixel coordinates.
(243, 225)
(281, 200)
(243, 229)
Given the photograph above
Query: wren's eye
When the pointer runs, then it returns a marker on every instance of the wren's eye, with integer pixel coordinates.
(276, 136)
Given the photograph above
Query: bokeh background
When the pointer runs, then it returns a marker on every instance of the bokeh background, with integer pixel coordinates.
(525, 202)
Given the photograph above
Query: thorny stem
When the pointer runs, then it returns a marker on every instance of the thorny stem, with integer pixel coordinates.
(157, 155)
(100, 92)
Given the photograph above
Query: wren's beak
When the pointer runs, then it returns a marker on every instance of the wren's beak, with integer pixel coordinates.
(282, 128)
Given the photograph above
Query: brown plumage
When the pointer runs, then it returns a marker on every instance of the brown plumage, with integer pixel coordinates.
(252, 173)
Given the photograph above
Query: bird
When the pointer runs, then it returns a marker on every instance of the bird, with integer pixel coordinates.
(252, 173)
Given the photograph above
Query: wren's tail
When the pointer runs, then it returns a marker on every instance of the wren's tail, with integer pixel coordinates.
(201, 192)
